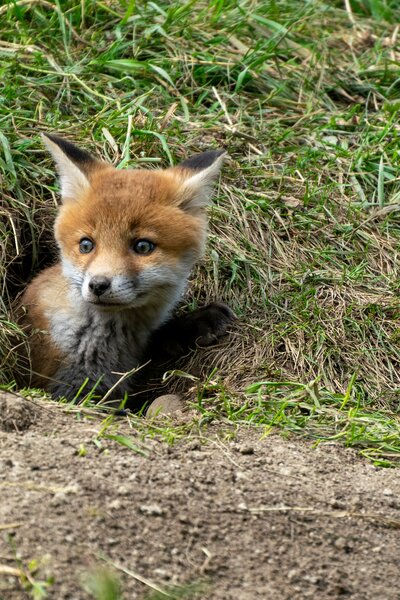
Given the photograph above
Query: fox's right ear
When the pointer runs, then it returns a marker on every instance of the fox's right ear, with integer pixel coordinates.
(73, 164)
(198, 174)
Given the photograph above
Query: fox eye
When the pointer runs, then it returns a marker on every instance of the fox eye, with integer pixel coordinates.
(143, 246)
(85, 246)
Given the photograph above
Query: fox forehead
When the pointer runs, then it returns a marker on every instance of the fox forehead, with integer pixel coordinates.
(123, 204)
(133, 185)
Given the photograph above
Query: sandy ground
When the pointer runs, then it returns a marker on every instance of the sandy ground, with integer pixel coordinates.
(249, 517)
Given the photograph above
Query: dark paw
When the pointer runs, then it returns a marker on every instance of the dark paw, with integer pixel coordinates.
(211, 322)
(174, 340)
(201, 327)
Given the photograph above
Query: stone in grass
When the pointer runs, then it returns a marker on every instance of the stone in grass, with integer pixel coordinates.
(16, 413)
(165, 405)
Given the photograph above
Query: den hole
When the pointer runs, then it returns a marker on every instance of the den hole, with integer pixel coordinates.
(38, 251)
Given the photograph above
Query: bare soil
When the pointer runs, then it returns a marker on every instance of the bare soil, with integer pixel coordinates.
(250, 516)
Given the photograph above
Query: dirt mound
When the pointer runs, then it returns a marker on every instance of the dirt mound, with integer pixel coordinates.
(248, 518)
(16, 413)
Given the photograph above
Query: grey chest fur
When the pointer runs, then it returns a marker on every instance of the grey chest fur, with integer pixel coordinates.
(97, 345)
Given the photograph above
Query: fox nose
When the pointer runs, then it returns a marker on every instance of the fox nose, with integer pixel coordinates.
(98, 285)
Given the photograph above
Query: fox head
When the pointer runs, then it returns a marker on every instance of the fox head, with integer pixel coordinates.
(130, 237)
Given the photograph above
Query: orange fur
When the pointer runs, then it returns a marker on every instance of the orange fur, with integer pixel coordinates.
(123, 205)
(44, 355)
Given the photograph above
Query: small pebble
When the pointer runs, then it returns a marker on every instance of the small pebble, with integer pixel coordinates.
(115, 504)
(151, 510)
(165, 405)
(194, 445)
(245, 449)
(340, 543)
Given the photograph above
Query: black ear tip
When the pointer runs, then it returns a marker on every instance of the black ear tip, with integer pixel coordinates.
(52, 137)
(77, 155)
(202, 160)
(55, 138)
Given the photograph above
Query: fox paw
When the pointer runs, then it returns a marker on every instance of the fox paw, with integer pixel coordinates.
(202, 327)
(209, 323)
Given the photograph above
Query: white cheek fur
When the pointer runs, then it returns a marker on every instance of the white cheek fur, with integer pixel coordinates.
(163, 284)
(74, 275)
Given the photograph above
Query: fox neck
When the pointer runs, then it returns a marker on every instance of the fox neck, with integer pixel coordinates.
(97, 343)
(136, 322)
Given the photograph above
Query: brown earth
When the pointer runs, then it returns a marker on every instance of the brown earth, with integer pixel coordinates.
(250, 516)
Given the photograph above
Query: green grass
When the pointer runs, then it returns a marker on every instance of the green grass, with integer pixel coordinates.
(310, 411)
(305, 231)
(29, 574)
(102, 584)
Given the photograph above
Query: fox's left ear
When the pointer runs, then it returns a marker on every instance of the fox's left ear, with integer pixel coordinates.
(197, 175)
(73, 164)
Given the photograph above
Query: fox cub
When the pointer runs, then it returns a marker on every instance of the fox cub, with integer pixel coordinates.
(128, 240)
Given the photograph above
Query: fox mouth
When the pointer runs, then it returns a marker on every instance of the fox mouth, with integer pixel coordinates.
(121, 304)
(102, 303)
